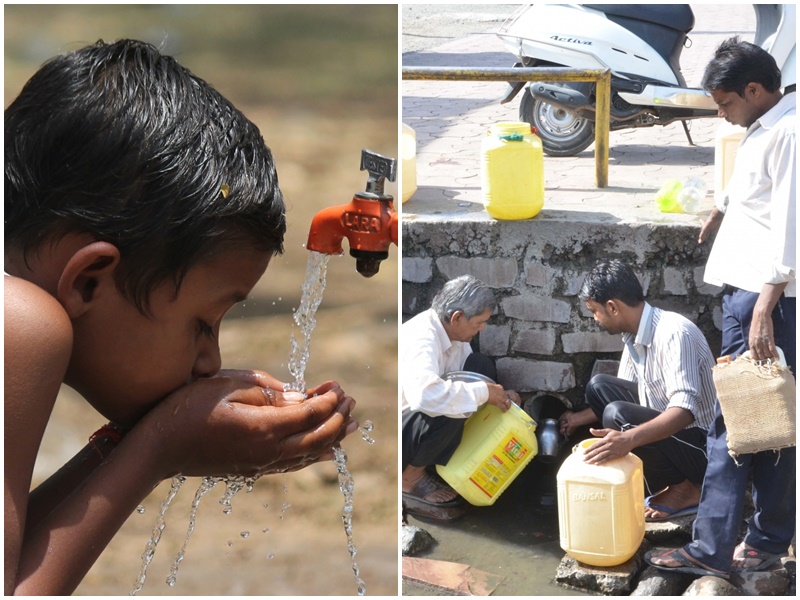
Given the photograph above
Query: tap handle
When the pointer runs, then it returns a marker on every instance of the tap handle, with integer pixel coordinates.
(380, 168)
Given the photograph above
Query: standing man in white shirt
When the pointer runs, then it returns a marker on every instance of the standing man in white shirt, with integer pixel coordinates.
(753, 256)
(436, 342)
(661, 403)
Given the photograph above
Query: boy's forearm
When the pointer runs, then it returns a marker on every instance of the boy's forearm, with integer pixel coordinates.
(50, 493)
(61, 548)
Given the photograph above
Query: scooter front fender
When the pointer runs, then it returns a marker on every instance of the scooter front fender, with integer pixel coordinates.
(513, 88)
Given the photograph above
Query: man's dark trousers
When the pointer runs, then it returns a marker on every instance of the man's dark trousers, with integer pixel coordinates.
(615, 403)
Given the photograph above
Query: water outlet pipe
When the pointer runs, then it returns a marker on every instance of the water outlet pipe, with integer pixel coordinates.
(369, 221)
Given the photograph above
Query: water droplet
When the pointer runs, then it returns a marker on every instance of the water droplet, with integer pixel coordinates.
(140, 510)
(245, 534)
(270, 555)
(265, 530)
(365, 430)
(234, 484)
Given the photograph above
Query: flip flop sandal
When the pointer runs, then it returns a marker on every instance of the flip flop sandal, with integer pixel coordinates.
(672, 513)
(767, 559)
(686, 564)
(416, 504)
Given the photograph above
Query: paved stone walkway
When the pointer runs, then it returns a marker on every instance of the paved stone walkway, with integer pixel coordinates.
(450, 118)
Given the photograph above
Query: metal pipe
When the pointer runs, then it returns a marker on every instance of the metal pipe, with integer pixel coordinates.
(602, 77)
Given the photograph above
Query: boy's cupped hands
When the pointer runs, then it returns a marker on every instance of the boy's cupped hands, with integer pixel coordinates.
(242, 423)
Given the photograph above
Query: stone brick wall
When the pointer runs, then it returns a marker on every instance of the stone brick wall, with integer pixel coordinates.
(542, 336)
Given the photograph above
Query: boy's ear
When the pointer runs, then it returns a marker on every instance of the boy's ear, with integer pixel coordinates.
(88, 274)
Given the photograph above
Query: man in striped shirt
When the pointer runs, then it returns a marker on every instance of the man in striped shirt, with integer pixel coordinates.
(661, 403)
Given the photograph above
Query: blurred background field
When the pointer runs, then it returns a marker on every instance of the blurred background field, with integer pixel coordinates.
(320, 81)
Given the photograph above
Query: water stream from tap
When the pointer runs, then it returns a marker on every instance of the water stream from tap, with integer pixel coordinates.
(313, 288)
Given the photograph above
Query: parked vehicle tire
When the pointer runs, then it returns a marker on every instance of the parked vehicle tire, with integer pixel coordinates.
(562, 133)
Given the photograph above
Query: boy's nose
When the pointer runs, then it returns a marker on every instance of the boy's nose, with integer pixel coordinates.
(208, 362)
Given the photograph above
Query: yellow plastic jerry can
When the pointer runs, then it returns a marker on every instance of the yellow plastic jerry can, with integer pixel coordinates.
(495, 447)
(512, 171)
(600, 508)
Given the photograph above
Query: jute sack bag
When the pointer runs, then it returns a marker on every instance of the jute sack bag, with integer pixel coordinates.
(757, 399)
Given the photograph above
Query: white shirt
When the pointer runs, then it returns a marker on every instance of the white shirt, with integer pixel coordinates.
(756, 241)
(427, 354)
(677, 363)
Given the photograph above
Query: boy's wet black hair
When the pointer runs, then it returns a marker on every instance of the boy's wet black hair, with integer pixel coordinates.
(612, 280)
(737, 63)
(122, 142)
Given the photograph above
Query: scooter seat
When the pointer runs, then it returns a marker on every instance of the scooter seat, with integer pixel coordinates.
(675, 16)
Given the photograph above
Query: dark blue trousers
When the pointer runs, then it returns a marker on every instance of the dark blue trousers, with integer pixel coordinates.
(774, 473)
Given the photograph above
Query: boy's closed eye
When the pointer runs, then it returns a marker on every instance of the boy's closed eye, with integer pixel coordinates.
(205, 329)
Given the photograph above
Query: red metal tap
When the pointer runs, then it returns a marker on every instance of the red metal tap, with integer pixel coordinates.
(369, 221)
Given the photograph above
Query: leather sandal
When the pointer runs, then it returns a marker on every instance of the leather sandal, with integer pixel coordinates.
(417, 501)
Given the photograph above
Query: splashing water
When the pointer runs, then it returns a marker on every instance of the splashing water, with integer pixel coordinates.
(206, 486)
(365, 430)
(234, 485)
(313, 288)
(150, 548)
(346, 486)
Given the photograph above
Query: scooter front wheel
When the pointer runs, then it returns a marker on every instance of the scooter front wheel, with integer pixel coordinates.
(562, 133)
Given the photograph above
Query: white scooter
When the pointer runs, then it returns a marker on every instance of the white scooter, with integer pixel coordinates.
(641, 45)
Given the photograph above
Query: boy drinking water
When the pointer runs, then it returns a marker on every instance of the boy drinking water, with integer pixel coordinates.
(140, 206)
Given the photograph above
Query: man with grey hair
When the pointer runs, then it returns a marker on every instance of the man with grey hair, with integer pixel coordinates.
(435, 342)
